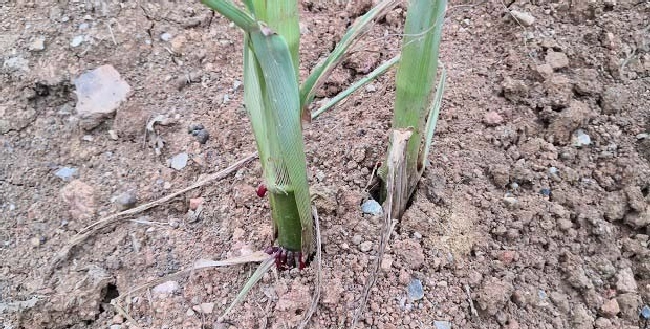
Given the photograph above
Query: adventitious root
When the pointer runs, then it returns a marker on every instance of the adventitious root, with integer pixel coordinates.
(286, 259)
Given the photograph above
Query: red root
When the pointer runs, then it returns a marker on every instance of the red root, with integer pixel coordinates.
(285, 259)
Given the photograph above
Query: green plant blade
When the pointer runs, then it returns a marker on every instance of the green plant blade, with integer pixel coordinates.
(432, 120)
(322, 71)
(264, 267)
(355, 86)
(254, 101)
(282, 17)
(283, 102)
(238, 16)
(249, 6)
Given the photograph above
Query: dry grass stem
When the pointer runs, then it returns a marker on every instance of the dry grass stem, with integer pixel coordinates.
(90, 230)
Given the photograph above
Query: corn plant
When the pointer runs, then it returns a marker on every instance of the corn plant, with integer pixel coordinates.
(416, 109)
(276, 103)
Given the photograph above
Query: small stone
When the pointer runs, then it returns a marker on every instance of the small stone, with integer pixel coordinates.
(415, 290)
(509, 200)
(371, 207)
(442, 324)
(179, 161)
(365, 246)
(492, 118)
(126, 200)
(115, 326)
(167, 288)
(386, 262)
(37, 45)
(67, 173)
(236, 85)
(557, 60)
(320, 175)
(35, 242)
(174, 222)
(645, 312)
(16, 64)
(610, 308)
(189, 312)
(304, 29)
(194, 128)
(202, 136)
(357, 239)
(76, 41)
(112, 134)
(206, 308)
(165, 36)
(371, 88)
(581, 139)
(196, 203)
(523, 17)
(545, 191)
(625, 281)
(99, 93)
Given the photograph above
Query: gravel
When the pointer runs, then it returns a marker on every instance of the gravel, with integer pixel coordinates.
(414, 290)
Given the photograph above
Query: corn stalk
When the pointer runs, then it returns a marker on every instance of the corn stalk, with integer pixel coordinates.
(276, 102)
(416, 109)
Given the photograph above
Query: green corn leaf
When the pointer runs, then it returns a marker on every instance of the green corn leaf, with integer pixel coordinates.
(282, 17)
(322, 71)
(283, 102)
(254, 102)
(358, 84)
(249, 6)
(432, 120)
(264, 267)
(238, 16)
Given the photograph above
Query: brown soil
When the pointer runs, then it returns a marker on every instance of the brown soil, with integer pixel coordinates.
(541, 233)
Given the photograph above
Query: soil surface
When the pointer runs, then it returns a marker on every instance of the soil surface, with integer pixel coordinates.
(533, 213)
